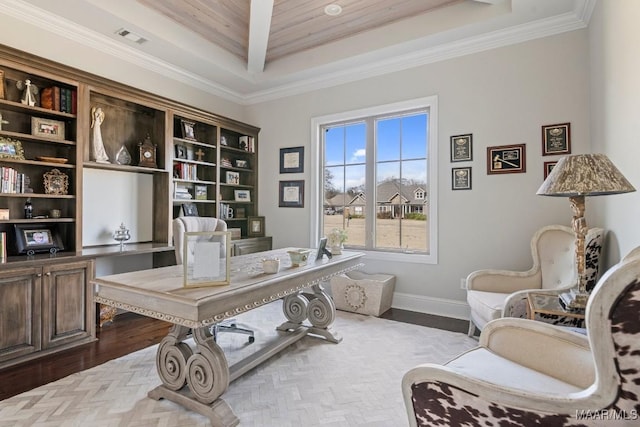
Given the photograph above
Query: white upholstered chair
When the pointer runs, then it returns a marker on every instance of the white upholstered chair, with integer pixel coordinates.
(525, 373)
(492, 294)
(191, 224)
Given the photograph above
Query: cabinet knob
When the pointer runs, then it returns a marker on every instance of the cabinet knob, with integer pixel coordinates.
(48, 273)
(39, 275)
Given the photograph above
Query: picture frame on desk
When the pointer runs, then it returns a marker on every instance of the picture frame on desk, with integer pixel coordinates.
(53, 129)
(255, 227)
(207, 256)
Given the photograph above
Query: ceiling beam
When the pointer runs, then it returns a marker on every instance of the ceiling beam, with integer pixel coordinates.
(259, 25)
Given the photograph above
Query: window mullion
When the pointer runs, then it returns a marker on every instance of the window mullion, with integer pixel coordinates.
(370, 187)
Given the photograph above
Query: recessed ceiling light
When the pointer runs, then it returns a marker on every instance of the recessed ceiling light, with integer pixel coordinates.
(131, 36)
(333, 10)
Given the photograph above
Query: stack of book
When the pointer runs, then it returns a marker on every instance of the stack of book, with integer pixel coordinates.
(185, 171)
(59, 99)
(181, 193)
(224, 211)
(12, 181)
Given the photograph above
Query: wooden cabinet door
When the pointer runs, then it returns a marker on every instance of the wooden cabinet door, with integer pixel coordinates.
(67, 303)
(20, 298)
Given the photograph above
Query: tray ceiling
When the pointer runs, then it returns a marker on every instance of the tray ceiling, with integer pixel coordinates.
(254, 50)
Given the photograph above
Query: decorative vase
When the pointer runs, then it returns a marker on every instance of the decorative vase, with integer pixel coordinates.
(336, 249)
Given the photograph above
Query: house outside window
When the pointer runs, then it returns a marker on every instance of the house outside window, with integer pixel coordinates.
(375, 177)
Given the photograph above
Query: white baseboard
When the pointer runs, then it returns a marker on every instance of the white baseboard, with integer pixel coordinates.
(431, 305)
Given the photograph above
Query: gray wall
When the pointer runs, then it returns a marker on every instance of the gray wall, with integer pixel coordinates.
(502, 96)
(615, 127)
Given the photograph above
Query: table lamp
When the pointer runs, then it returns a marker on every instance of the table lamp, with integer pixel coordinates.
(575, 177)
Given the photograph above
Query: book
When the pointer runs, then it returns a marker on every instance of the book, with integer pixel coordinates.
(56, 98)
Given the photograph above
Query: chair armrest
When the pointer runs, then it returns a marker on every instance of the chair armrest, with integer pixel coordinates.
(520, 341)
(504, 281)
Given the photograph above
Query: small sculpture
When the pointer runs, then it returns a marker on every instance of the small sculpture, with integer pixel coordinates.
(122, 156)
(121, 235)
(30, 92)
(99, 153)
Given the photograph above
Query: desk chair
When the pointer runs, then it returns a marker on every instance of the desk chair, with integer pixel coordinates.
(185, 224)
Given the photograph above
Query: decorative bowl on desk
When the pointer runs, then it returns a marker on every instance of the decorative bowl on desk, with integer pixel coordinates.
(299, 257)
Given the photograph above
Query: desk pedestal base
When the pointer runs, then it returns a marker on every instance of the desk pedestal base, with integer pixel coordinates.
(218, 412)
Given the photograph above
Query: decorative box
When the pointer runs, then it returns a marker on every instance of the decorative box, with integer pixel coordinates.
(363, 293)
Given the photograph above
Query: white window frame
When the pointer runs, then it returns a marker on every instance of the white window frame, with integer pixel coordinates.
(317, 167)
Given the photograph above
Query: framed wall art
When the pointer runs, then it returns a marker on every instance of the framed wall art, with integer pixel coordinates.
(462, 148)
(506, 159)
(48, 128)
(556, 139)
(291, 194)
(256, 226)
(292, 160)
(548, 167)
(461, 178)
(207, 257)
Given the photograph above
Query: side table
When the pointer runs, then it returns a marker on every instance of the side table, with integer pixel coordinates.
(546, 307)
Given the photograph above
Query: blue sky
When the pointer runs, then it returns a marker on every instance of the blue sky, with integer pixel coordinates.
(400, 144)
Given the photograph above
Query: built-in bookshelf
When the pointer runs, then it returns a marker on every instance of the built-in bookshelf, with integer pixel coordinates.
(36, 141)
(194, 167)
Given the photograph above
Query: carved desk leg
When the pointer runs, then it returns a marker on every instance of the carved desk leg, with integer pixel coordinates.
(315, 306)
(195, 380)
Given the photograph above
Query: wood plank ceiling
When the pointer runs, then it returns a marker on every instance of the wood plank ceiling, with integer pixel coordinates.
(293, 25)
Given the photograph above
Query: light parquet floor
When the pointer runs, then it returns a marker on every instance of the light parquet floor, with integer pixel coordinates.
(312, 383)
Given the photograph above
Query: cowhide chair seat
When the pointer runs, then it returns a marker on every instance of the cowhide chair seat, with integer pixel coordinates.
(492, 293)
(527, 373)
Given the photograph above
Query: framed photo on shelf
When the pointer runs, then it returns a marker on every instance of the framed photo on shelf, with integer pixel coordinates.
(233, 178)
(48, 128)
(11, 149)
(207, 256)
(241, 213)
(242, 195)
(33, 238)
(461, 178)
(189, 209)
(181, 151)
(506, 159)
(556, 139)
(548, 167)
(188, 130)
(291, 194)
(292, 160)
(462, 148)
(200, 191)
(256, 226)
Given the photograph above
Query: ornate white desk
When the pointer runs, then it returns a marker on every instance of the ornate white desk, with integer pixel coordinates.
(196, 378)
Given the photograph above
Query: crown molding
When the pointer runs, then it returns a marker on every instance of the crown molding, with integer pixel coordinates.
(321, 77)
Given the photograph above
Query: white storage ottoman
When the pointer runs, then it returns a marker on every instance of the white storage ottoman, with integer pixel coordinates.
(363, 293)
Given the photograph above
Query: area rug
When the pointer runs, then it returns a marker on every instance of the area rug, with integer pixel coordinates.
(311, 383)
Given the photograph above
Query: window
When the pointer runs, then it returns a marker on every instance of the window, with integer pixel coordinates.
(376, 177)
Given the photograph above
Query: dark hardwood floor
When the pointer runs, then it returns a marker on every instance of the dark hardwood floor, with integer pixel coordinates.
(131, 332)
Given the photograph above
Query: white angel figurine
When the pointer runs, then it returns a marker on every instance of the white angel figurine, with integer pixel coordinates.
(30, 92)
(99, 153)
